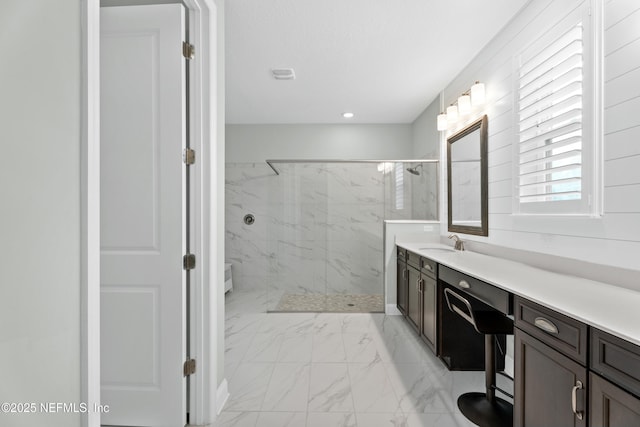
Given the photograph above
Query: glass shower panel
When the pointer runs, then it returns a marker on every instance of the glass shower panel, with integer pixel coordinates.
(324, 234)
(326, 237)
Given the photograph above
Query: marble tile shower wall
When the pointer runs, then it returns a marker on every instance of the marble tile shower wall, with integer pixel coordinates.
(318, 227)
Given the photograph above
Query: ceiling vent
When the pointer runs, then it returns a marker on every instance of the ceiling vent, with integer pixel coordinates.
(283, 73)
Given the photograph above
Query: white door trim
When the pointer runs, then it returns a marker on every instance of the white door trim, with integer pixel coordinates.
(90, 211)
(203, 119)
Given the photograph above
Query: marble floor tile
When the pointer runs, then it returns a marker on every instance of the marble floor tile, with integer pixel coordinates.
(361, 348)
(327, 323)
(357, 323)
(330, 388)
(296, 348)
(401, 349)
(288, 389)
(288, 323)
(264, 348)
(418, 391)
(243, 325)
(235, 350)
(236, 419)
(331, 419)
(412, 420)
(382, 419)
(371, 388)
(281, 419)
(334, 369)
(248, 386)
(328, 348)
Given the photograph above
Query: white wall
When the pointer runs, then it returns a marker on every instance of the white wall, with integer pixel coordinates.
(613, 239)
(40, 129)
(426, 138)
(256, 143)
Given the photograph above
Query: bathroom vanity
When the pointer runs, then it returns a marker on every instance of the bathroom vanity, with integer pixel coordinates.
(577, 342)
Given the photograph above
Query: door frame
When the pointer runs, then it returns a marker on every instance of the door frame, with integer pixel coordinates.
(207, 393)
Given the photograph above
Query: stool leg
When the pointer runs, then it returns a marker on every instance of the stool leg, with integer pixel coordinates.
(490, 366)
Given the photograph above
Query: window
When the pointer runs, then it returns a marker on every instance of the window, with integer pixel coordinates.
(556, 144)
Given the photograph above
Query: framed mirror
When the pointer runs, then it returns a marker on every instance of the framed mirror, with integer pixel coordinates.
(467, 179)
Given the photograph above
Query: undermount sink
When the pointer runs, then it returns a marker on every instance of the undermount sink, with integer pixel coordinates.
(437, 249)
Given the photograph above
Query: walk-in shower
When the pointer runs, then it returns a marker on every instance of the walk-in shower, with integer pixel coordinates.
(316, 243)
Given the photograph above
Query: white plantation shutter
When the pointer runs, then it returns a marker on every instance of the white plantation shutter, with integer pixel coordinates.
(550, 125)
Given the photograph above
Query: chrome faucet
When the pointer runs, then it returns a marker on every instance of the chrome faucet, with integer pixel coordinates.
(459, 244)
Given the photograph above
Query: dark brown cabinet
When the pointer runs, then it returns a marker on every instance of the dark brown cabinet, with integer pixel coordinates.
(550, 388)
(413, 293)
(614, 392)
(428, 318)
(550, 368)
(402, 281)
(417, 294)
(610, 406)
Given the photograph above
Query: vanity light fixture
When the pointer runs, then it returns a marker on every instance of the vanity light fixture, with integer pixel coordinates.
(452, 113)
(348, 115)
(477, 94)
(464, 104)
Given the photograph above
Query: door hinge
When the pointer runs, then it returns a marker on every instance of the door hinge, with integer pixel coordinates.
(189, 367)
(189, 262)
(188, 50)
(189, 156)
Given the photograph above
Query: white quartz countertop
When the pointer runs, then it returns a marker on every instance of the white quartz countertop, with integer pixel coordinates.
(607, 307)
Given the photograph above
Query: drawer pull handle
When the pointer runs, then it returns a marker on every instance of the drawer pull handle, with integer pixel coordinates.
(546, 325)
(574, 400)
(428, 267)
(464, 284)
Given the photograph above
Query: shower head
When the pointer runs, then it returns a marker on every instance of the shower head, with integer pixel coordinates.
(414, 170)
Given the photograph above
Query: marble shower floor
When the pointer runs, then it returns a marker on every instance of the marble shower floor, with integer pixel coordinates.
(331, 303)
(333, 369)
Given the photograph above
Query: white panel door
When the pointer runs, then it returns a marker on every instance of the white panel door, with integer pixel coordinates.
(143, 335)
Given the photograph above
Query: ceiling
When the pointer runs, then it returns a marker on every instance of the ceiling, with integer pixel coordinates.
(384, 60)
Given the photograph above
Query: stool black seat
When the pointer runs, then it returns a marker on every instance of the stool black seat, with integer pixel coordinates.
(484, 409)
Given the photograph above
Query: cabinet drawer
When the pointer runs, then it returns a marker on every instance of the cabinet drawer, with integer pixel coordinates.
(489, 294)
(616, 359)
(429, 267)
(563, 333)
(413, 260)
(402, 253)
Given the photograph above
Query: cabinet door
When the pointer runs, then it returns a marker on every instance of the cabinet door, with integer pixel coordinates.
(546, 382)
(428, 330)
(401, 283)
(610, 405)
(413, 297)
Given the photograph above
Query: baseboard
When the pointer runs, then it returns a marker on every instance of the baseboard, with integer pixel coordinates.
(222, 395)
(392, 310)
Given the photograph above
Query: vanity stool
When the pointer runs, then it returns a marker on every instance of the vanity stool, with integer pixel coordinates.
(484, 409)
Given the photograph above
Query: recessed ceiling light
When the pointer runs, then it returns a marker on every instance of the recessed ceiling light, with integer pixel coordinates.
(347, 115)
(283, 73)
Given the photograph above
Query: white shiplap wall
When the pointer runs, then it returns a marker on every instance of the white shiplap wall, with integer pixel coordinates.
(614, 238)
